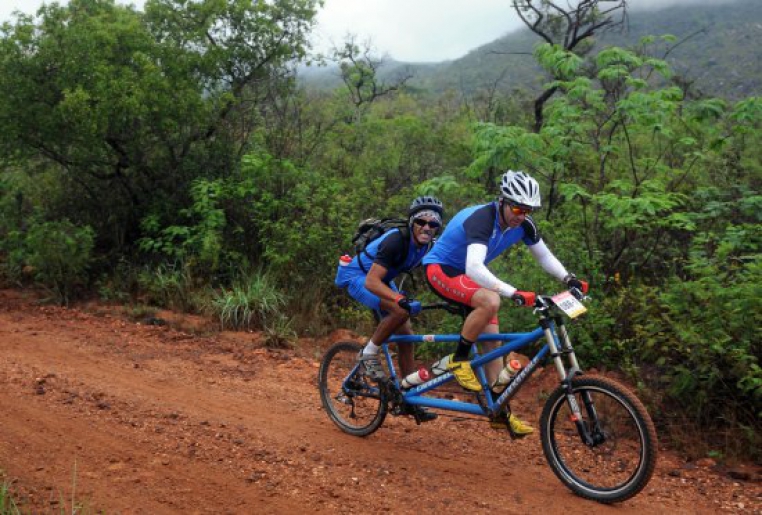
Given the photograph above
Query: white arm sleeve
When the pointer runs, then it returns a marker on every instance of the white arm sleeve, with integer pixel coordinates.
(476, 270)
(547, 260)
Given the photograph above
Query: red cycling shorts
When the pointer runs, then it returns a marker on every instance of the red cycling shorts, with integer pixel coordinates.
(459, 289)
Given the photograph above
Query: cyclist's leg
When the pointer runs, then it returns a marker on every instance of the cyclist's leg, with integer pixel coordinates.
(405, 351)
(519, 428)
(483, 319)
(406, 360)
(392, 317)
(492, 369)
(458, 288)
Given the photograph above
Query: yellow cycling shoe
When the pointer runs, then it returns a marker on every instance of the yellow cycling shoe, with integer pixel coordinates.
(464, 374)
(519, 428)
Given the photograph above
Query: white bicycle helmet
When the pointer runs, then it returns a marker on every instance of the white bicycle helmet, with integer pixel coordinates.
(519, 188)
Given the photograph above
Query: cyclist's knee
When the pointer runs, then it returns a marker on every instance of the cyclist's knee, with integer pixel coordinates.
(486, 300)
(406, 328)
(398, 315)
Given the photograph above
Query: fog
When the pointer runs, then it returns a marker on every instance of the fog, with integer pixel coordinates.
(406, 30)
(651, 5)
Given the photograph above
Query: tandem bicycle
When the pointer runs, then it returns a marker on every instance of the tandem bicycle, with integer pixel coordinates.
(596, 435)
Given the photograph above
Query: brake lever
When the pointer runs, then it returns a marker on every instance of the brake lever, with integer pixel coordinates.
(540, 304)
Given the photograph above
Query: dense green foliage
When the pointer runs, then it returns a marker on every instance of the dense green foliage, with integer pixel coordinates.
(167, 157)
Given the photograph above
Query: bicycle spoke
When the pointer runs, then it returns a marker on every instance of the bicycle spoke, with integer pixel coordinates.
(619, 458)
(353, 402)
(611, 461)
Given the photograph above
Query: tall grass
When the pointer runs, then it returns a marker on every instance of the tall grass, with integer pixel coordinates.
(251, 303)
(168, 286)
(7, 505)
(279, 333)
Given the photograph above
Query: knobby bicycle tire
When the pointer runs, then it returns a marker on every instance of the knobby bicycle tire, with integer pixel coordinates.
(622, 462)
(354, 403)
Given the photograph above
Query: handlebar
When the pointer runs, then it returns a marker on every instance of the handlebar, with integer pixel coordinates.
(542, 302)
(578, 294)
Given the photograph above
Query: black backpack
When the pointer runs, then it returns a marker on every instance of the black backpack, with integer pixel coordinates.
(371, 229)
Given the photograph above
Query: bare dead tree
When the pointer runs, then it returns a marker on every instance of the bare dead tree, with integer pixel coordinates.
(684, 81)
(571, 26)
(359, 72)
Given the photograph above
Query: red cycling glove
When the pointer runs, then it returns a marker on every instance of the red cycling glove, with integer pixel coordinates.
(524, 298)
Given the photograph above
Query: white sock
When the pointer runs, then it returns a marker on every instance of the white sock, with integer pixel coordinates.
(371, 348)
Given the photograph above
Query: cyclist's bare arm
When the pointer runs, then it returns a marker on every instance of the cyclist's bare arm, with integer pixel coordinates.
(375, 284)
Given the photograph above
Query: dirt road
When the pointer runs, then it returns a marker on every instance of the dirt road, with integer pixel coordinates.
(103, 413)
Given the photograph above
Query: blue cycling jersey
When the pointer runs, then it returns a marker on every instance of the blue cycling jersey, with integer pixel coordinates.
(388, 252)
(478, 224)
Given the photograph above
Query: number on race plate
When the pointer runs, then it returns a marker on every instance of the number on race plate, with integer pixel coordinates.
(567, 303)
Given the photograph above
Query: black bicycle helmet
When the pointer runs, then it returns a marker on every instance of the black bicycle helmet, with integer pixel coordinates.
(426, 202)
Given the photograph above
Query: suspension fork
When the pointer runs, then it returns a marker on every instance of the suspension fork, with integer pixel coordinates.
(566, 342)
(553, 328)
(587, 400)
(550, 328)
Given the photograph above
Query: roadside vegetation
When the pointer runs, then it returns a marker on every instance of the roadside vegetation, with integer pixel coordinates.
(168, 158)
(7, 504)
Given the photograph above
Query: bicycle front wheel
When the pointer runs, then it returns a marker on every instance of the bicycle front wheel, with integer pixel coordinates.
(353, 402)
(618, 459)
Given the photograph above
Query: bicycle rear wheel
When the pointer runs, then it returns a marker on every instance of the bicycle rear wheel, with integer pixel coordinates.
(621, 459)
(355, 403)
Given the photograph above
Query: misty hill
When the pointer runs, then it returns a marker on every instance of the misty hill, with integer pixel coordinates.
(719, 49)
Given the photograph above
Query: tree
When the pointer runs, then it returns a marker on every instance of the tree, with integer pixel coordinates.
(130, 108)
(359, 72)
(571, 28)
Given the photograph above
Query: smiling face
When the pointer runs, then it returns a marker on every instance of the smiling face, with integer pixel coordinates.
(424, 229)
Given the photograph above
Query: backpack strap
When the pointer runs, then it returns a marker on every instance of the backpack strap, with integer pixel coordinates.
(405, 232)
(359, 259)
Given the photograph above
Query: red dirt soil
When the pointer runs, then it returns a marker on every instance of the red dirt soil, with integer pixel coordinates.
(106, 414)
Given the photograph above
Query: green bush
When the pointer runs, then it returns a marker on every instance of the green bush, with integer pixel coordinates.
(57, 255)
(693, 345)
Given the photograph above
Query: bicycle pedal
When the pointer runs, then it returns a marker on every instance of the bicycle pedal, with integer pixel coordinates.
(500, 425)
(516, 436)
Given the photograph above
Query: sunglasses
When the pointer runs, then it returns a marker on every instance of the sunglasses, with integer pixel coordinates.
(516, 210)
(423, 223)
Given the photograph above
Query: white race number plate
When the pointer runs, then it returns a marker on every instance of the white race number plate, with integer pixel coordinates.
(569, 304)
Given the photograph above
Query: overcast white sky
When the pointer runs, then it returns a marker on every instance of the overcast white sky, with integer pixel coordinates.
(406, 30)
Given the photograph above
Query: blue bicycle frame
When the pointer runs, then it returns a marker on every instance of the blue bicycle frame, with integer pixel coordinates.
(514, 341)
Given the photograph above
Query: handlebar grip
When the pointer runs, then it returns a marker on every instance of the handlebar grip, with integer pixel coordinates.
(524, 298)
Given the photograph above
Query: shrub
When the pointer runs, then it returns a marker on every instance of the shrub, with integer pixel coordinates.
(57, 255)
